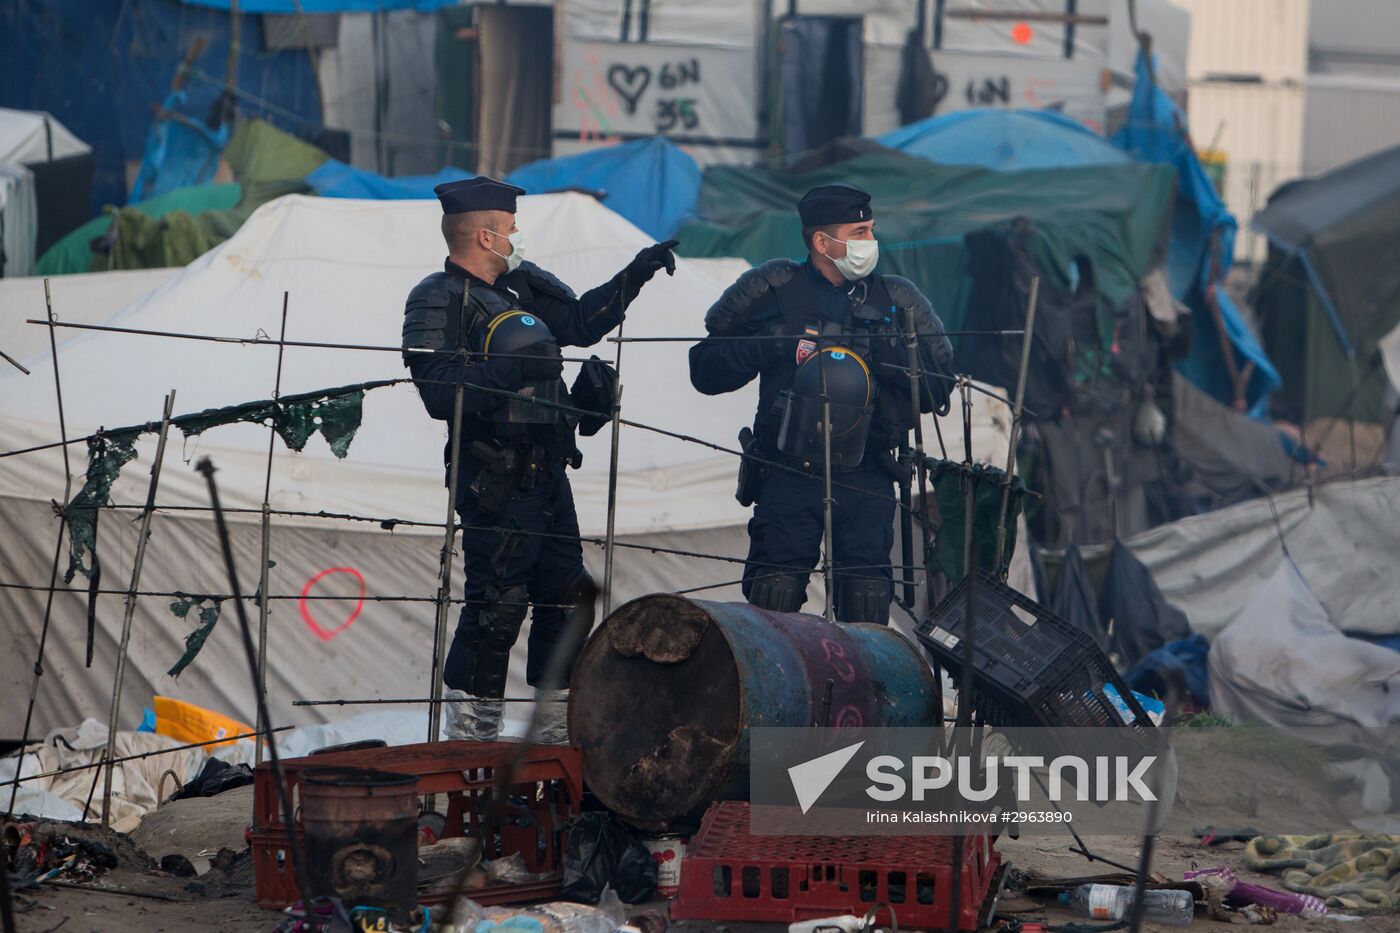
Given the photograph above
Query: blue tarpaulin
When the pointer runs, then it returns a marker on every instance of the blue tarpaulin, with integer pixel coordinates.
(338, 180)
(1005, 140)
(1154, 132)
(99, 66)
(651, 182)
(181, 152)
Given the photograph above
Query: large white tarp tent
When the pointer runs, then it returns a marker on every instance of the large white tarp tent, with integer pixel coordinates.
(1343, 536)
(345, 266)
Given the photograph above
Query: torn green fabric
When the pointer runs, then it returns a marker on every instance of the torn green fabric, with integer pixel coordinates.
(335, 413)
(948, 489)
(208, 617)
(107, 454)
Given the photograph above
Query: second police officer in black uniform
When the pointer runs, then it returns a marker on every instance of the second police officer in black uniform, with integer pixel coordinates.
(837, 326)
(495, 323)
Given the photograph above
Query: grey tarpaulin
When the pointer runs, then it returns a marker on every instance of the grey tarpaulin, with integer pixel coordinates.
(1075, 601)
(1342, 536)
(1232, 454)
(1283, 662)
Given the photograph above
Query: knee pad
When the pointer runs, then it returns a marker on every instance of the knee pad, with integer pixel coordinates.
(499, 626)
(779, 592)
(861, 599)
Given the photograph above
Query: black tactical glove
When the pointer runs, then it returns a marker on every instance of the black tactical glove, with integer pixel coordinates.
(540, 362)
(651, 260)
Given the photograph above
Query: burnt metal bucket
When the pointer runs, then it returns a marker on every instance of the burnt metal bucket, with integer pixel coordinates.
(361, 831)
(666, 689)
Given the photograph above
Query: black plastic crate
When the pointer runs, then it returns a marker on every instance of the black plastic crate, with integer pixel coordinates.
(1031, 668)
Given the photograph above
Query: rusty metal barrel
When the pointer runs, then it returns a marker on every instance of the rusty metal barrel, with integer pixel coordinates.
(361, 831)
(666, 689)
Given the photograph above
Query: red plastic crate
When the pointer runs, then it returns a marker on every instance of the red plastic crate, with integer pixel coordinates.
(549, 779)
(731, 875)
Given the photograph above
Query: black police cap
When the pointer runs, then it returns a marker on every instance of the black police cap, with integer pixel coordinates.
(834, 204)
(477, 194)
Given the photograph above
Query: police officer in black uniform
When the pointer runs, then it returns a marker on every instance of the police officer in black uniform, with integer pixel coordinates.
(495, 323)
(839, 327)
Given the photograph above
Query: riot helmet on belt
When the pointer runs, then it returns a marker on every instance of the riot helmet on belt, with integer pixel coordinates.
(507, 334)
(843, 377)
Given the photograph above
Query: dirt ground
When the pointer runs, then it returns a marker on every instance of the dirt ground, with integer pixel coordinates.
(209, 903)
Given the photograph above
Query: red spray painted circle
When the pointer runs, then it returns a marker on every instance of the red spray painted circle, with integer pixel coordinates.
(1022, 33)
(315, 626)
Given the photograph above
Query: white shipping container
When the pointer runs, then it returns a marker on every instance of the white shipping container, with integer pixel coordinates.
(1346, 118)
(1264, 38)
(1258, 128)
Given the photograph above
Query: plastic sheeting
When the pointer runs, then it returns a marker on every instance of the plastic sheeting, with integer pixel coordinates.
(181, 151)
(73, 253)
(1005, 140)
(1154, 133)
(35, 136)
(335, 179)
(101, 65)
(1283, 662)
(651, 182)
(1342, 535)
(1114, 215)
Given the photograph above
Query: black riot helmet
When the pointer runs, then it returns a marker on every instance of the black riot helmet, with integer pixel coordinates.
(506, 334)
(843, 377)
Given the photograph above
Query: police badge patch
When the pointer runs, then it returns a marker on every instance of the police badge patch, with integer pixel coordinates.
(807, 345)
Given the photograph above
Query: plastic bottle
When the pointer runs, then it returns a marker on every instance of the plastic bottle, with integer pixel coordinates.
(846, 924)
(1114, 902)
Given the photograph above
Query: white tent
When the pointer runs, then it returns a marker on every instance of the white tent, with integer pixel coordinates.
(1342, 536)
(34, 136)
(19, 220)
(345, 266)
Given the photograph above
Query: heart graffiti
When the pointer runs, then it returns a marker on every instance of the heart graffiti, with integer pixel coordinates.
(629, 83)
(315, 626)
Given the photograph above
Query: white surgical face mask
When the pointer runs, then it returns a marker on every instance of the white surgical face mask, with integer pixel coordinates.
(860, 259)
(517, 250)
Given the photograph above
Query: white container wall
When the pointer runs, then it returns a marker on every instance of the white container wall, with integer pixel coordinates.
(1345, 118)
(1259, 128)
(1263, 38)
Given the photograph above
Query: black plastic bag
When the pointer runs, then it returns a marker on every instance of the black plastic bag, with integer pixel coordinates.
(214, 778)
(601, 852)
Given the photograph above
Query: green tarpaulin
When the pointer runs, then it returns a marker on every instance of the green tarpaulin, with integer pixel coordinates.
(173, 231)
(74, 254)
(1331, 288)
(1116, 216)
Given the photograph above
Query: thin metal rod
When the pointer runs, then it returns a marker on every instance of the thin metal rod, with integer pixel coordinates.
(206, 467)
(151, 754)
(926, 532)
(269, 342)
(130, 611)
(610, 540)
(827, 535)
(265, 551)
(1015, 430)
(58, 544)
(956, 380)
(449, 535)
(396, 701)
(14, 362)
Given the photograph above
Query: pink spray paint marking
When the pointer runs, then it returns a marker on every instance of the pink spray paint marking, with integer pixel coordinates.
(315, 626)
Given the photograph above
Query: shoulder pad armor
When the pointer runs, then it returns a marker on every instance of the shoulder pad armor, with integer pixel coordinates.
(542, 281)
(738, 303)
(426, 315)
(907, 297)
